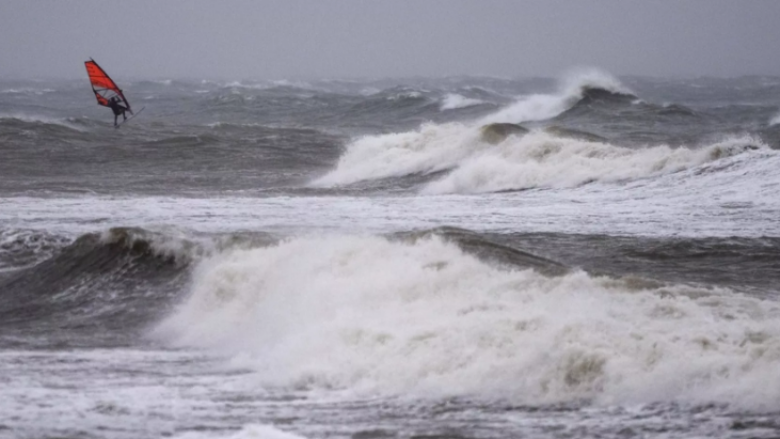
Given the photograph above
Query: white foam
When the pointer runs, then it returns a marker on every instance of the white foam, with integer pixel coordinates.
(453, 101)
(531, 108)
(775, 120)
(28, 91)
(258, 431)
(249, 431)
(369, 91)
(405, 95)
(288, 83)
(578, 79)
(166, 242)
(232, 124)
(37, 245)
(544, 106)
(437, 147)
(732, 196)
(431, 148)
(238, 84)
(539, 159)
(370, 316)
(265, 85)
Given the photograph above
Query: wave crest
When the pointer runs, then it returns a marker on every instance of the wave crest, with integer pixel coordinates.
(27, 121)
(574, 87)
(541, 160)
(370, 315)
(453, 101)
(432, 148)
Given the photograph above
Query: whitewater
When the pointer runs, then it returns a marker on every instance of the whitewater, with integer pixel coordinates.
(584, 256)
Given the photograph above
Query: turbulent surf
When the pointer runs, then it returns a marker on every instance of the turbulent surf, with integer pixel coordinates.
(587, 256)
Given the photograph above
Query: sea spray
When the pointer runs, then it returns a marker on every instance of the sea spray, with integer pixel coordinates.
(539, 159)
(454, 101)
(429, 149)
(537, 107)
(371, 316)
(435, 147)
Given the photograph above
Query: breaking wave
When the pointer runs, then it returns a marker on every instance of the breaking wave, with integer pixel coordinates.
(431, 148)
(454, 101)
(371, 315)
(437, 147)
(545, 106)
(537, 159)
(541, 160)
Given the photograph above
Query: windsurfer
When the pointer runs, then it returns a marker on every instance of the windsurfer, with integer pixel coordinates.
(117, 108)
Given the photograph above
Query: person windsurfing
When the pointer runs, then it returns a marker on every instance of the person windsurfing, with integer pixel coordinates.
(117, 108)
(107, 93)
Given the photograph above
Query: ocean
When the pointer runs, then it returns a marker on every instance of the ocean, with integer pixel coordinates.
(460, 257)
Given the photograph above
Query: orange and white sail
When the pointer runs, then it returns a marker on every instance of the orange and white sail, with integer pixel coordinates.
(104, 87)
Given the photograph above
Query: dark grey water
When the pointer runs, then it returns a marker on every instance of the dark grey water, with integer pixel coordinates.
(361, 259)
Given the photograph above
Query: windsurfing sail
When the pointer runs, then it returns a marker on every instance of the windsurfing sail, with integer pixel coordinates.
(104, 87)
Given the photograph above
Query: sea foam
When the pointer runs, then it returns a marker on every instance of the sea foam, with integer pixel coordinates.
(435, 147)
(544, 106)
(539, 159)
(453, 101)
(371, 316)
(249, 431)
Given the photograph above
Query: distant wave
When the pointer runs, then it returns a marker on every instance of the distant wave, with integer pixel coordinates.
(232, 125)
(257, 431)
(540, 160)
(537, 159)
(775, 120)
(574, 87)
(29, 91)
(38, 119)
(238, 84)
(552, 156)
(265, 85)
(185, 140)
(453, 101)
(377, 316)
(411, 94)
(432, 148)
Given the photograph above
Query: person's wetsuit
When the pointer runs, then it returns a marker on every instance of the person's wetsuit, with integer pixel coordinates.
(117, 109)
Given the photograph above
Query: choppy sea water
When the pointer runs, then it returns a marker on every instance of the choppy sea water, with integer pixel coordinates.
(364, 259)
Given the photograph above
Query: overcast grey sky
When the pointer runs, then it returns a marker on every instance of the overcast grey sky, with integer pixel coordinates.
(380, 38)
